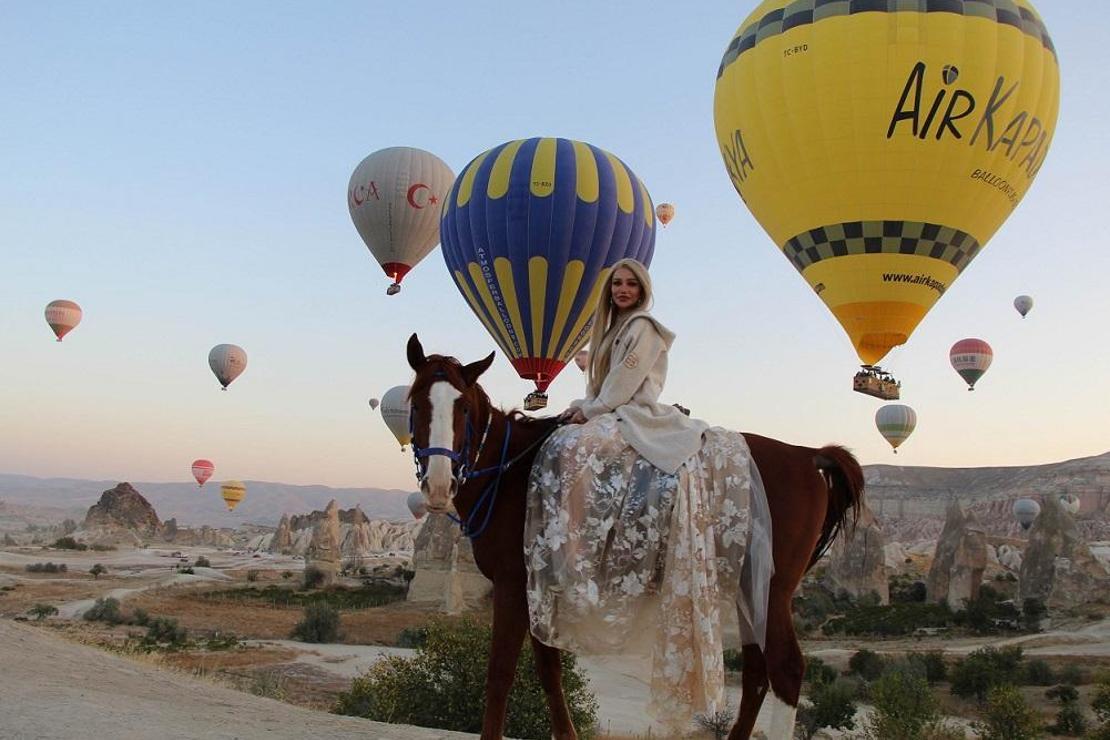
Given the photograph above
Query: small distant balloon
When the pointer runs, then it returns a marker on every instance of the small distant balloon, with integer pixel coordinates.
(1070, 502)
(582, 359)
(227, 361)
(374, 403)
(664, 212)
(1023, 304)
(63, 316)
(395, 412)
(202, 470)
(417, 504)
(232, 493)
(896, 423)
(1025, 511)
(971, 358)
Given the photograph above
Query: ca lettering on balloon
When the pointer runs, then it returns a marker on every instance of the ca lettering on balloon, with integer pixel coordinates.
(359, 194)
(1020, 132)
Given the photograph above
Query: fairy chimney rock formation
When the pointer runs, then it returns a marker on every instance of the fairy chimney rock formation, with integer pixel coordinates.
(282, 541)
(323, 551)
(447, 578)
(122, 509)
(1058, 567)
(959, 561)
(356, 540)
(857, 559)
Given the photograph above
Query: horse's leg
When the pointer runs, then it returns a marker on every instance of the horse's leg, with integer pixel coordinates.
(753, 689)
(510, 622)
(550, 671)
(785, 663)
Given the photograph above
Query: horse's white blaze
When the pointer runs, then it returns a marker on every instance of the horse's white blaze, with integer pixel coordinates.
(441, 433)
(782, 718)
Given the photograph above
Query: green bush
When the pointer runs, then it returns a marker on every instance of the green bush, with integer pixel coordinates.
(1072, 673)
(889, 621)
(989, 614)
(252, 576)
(717, 723)
(46, 568)
(188, 570)
(101, 548)
(97, 570)
(68, 543)
(165, 631)
(867, 664)
(1038, 673)
(412, 637)
(104, 610)
(42, 611)
(1070, 721)
(831, 704)
(140, 617)
(443, 686)
(931, 665)
(202, 562)
(734, 660)
(1032, 612)
(905, 589)
(983, 670)
(818, 673)
(1100, 699)
(905, 708)
(320, 624)
(313, 577)
(1008, 717)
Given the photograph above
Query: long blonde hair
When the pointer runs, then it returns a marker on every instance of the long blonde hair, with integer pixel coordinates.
(607, 322)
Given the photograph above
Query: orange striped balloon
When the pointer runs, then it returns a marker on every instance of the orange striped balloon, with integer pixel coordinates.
(971, 358)
(63, 316)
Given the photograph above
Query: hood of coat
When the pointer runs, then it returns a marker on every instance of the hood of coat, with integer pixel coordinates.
(667, 335)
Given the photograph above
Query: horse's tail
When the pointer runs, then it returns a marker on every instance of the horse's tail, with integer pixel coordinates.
(844, 477)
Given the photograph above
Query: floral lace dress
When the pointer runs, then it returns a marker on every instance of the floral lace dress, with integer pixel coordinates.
(623, 557)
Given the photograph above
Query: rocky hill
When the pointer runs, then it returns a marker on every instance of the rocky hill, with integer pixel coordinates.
(121, 513)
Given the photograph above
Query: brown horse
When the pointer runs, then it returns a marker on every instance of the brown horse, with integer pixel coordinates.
(478, 458)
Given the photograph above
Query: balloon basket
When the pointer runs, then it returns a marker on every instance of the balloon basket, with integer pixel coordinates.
(535, 401)
(393, 289)
(874, 381)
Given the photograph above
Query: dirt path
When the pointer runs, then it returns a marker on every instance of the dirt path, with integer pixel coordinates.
(51, 688)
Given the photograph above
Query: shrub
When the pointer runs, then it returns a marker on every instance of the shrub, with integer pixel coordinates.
(140, 617)
(320, 624)
(46, 568)
(1063, 693)
(252, 576)
(905, 589)
(831, 704)
(719, 723)
(165, 630)
(1032, 612)
(1072, 673)
(1100, 700)
(931, 665)
(101, 548)
(1038, 673)
(889, 621)
(905, 708)
(989, 614)
(412, 637)
(269, 684)
(286, 574)
(1008, 717)
(42, 611)
(202, 562)
(104, 610)
(444, 683)
(68, 543)
(866, 664)
(984, 669)
(97, 570)
(1070, 721)
(734, 660)
(313, 577)
(187, 570)
(819, 673)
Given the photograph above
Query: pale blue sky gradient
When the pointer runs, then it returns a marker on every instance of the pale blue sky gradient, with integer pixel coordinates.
(180, 171)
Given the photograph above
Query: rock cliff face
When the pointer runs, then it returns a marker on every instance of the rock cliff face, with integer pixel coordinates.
(446, 578)
(283, 537)
(857, 559)
(323, 551)
(121, 511)
(359, 537)
(1058, 567)
(960, 560)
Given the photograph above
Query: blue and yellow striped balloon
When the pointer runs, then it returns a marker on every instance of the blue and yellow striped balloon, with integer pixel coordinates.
(529, 232)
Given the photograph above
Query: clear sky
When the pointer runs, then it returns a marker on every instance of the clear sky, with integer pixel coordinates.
(180, 170)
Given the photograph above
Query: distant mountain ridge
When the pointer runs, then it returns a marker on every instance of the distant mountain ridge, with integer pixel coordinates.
(192, 506)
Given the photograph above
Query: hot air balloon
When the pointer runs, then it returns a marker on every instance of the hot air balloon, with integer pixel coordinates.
(374, 403)
(1023, 304)
(417, 504)
(971, 358)
(896, 423)
(881, 150)
(63, 316)
(664, 212)
(202, 470)
(582, 359)
(1070, 503)
(395, 411)
(529, 232)
(227, 361)
(1025, 511)
(394, 197)
(232, 493)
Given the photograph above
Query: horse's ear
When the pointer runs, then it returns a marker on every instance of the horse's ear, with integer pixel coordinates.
(473, 371)
(415, 353)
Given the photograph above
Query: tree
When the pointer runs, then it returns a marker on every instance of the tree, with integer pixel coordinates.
(831, 704)
(42, 611)
(96, 570)
(1008, 717)
(202, 562)
(320, 624)
(906, 709)
(719, 723)
(983, 669)
(867, 664)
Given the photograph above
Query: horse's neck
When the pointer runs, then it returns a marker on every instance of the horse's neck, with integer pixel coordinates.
(521, 433)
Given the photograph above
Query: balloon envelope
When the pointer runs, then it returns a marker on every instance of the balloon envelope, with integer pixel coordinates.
(202, 470)
(395, 412)
(529, 232)
(232, 492)
(1070, 502)
(1023, 304)
(63, 316)
(227, 361)
(664, 212)
(970, 358)
(881, 150)
(417, 504)
(896, 423)
(394, 197)
(1025, 511)
(374, 403)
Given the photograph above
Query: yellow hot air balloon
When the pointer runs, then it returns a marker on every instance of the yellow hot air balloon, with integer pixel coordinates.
(882, 144)
(232, 493)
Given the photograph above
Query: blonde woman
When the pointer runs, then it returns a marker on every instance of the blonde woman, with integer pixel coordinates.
(628, 488)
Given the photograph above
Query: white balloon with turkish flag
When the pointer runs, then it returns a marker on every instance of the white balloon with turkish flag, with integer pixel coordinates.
(395, 198)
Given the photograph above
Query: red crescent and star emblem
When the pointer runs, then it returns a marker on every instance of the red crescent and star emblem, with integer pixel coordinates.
(429, 199)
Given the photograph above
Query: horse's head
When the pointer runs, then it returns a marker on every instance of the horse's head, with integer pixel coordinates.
(447, 405)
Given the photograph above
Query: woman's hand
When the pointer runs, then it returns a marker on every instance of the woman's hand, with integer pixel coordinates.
(573, 416)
